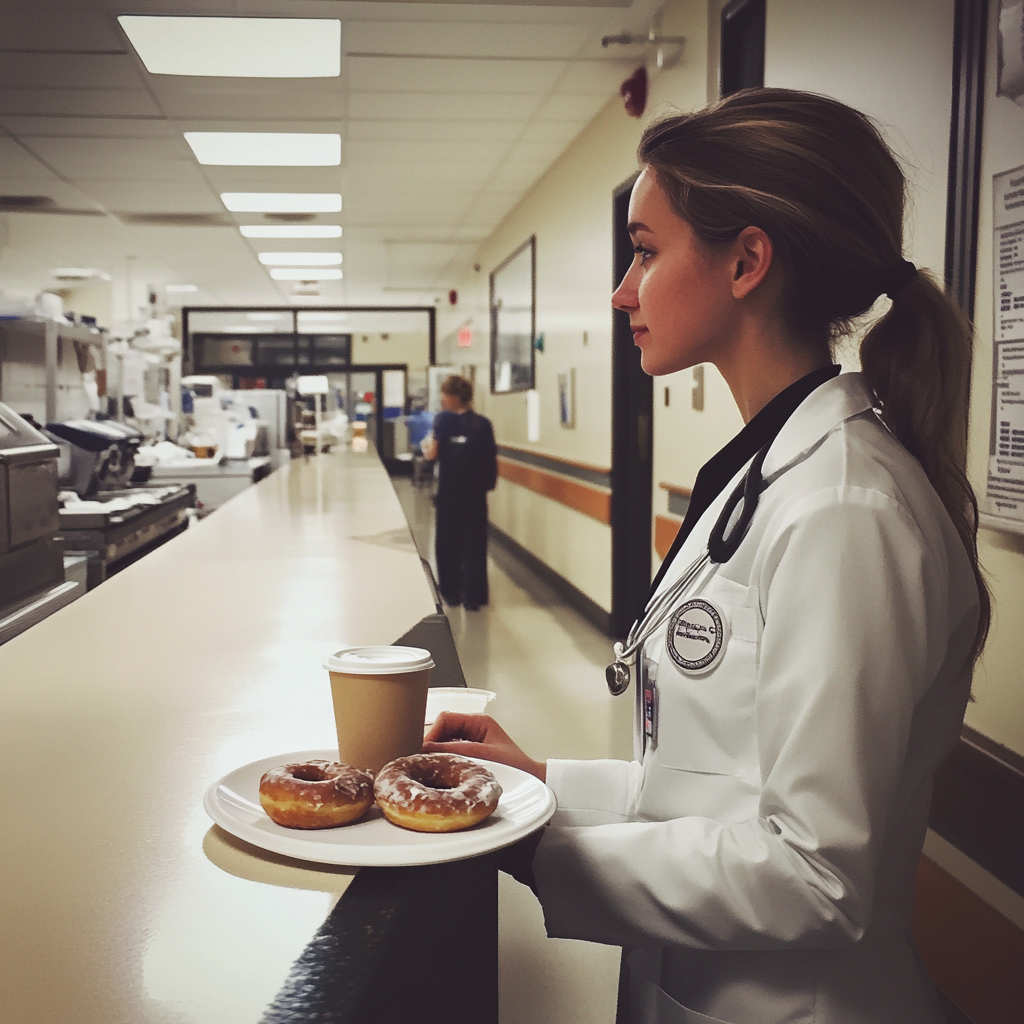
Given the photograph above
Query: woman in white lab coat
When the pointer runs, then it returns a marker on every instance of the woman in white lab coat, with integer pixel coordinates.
(758, 854)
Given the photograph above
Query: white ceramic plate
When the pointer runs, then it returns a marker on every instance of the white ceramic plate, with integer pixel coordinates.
(234, 804)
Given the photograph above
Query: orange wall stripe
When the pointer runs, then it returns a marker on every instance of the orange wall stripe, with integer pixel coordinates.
(665, 530)
(592, 501)
(973, 953)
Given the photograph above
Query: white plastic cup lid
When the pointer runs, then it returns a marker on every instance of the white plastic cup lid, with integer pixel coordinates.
(378, 661)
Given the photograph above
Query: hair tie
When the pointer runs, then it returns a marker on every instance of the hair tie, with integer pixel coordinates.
(898, 277)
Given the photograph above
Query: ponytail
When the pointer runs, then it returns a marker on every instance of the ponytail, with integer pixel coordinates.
(918, 360)
(818, 178)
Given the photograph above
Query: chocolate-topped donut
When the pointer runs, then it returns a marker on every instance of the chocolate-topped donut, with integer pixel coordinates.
(316, 794)
(436, 792)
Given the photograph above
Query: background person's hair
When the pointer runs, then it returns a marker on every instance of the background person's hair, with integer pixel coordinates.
(458, 387)
(818, 178)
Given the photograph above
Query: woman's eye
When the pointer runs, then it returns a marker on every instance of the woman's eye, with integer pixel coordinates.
(643, 253)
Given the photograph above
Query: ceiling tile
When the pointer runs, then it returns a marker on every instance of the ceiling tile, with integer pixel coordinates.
(432, 131)
(562, 132)
(571, 108)
(251, 100)
(15, 162)
(142, 197)
(415, 75)
(450, 106)
(94, 102)
(91, 127)
(537, 152)
(517, 175)
(118, 159)
(593, 77)
(274, 179)
(64, 195)
(29, 26)
(465, 40)
(69, 71)
(410, 155)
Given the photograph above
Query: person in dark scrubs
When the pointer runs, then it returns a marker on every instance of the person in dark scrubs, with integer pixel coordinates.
(463, 445)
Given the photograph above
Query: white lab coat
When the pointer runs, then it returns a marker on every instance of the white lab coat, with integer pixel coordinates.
(760, 861)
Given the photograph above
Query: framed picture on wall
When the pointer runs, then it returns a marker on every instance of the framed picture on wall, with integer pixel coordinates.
(567, 398)
(514, 320)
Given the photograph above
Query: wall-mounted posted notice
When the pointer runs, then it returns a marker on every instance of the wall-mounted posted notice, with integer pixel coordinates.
(1005, 490)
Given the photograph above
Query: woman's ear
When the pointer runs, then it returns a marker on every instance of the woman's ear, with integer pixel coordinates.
(752, 254)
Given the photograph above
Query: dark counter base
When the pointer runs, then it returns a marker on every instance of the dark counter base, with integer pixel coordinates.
(403, 944)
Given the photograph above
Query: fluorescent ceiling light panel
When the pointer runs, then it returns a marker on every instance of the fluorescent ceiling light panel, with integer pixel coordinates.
(300, 259)
(266, 149)
(181, 288)
(282, 202)
(324, 317)
(304, 274)
(268, 317)
(237, 47)
(293, 231)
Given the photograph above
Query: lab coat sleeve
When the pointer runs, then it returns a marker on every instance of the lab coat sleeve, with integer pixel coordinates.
(853, 625)
(594, 792)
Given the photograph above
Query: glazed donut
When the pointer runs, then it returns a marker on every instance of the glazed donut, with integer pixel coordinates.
(316, 794)
(436, 792)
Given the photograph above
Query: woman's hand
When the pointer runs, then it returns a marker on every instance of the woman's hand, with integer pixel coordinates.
(429, 447)
(478, 736)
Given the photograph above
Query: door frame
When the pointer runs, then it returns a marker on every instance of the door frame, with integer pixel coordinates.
(632, 473)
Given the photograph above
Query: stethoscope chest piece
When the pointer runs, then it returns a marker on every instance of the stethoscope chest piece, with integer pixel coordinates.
(618, 673)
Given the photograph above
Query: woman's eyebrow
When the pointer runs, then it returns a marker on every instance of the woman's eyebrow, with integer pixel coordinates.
(634, 226)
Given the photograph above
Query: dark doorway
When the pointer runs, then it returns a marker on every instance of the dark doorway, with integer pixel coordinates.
(742, 51)
(632, 470)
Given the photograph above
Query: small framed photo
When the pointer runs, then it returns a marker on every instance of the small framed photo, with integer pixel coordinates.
(513, 303)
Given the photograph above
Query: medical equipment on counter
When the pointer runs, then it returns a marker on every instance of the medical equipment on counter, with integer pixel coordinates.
(96, 455)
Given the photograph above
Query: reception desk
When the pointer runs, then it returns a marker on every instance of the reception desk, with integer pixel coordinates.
(120, 901)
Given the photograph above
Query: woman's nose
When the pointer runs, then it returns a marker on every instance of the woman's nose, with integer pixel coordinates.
(625, 296)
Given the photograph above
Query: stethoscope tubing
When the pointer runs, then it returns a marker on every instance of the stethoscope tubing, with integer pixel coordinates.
(723, 543)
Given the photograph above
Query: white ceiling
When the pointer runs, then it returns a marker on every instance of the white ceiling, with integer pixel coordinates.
(448, 113)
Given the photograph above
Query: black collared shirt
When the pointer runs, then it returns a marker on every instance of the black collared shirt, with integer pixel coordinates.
(715, 474)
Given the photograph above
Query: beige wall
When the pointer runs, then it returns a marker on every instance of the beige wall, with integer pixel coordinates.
(410, 347)
(570, 212)
(998, 710)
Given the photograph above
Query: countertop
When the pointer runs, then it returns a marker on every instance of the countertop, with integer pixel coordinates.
(118, 711)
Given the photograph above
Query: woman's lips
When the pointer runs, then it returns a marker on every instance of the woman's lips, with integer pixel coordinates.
(638, 332)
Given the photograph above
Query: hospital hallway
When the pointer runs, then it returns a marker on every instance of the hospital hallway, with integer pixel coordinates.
(546, 664)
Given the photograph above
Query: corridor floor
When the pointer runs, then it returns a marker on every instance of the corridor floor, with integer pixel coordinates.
(546, 664)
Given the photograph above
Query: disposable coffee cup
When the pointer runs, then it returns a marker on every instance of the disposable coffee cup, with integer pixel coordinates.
(380, 697)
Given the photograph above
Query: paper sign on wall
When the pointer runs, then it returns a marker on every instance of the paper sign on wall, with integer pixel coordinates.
(1005, 488)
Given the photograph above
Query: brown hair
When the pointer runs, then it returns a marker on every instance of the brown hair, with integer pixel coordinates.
(458, 387)
(818, 178)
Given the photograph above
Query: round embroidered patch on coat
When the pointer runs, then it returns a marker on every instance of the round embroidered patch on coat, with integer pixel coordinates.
(696, 635)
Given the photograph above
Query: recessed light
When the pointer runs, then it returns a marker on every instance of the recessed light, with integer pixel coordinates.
(78, 274)
(181, 288)
(266, 149)
(237, 47)
(304, 274)
(282, 202)
(294, 231)
(300, 259)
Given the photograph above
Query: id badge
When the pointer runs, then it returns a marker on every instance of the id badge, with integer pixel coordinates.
(649, 701)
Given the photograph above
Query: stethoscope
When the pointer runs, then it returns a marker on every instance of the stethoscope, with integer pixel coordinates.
(723, 543)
